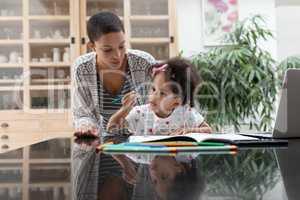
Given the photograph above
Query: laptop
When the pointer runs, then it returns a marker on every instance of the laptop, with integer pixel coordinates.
(289, 164)
(287, 124)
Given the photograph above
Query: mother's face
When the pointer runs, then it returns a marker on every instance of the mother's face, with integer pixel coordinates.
(110, 49)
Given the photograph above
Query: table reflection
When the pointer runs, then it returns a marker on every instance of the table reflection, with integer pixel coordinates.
(251, 174)
(39, 171)
(65, 169)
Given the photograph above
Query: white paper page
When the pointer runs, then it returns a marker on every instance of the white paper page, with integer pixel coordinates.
(227, 136)
(197, 136)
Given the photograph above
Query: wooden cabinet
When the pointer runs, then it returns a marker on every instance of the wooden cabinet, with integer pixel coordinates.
(35, 64)
(13, 126)
(36, 172)
(39, 40)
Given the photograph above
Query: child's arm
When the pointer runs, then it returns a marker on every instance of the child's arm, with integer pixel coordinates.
(203, 128)
(117, 120)
(194, 124)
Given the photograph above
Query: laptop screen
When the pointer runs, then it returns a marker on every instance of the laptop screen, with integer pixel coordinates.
(287, 123)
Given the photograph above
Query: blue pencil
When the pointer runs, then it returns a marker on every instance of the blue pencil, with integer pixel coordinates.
(117, 99)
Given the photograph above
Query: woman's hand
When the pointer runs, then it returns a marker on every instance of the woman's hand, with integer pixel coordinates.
(86, 130)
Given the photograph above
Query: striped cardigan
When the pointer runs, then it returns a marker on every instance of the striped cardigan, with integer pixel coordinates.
(86, 110)
(85, 105)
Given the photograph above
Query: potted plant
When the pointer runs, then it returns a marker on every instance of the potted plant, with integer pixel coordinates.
(239, 79)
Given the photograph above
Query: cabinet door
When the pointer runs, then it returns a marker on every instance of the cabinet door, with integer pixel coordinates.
(149, 25)
(50, 28)
(36, 52)
(11, 54)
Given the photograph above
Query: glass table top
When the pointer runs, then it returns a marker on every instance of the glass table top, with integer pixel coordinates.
(65, 168)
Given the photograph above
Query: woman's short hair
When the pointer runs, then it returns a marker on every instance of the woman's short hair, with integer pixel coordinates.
(103, 23)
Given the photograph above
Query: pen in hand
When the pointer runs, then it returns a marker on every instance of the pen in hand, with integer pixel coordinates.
(117, 99)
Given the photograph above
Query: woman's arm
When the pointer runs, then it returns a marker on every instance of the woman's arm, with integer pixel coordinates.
(83, 109)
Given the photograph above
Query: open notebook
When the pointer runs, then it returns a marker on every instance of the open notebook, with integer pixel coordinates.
(195, 137)
(230, 138)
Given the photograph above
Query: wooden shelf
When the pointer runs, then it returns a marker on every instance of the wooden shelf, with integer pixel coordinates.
(47, 167)
(11, 161)
(10, 185)
(11, 81)
(49, 17)
(49, 64)
(149, 17)
(4, 42)
(50, 184)
(149, 40)
(11, 88)
(11, 167)
(36, 111)
(50, 160)
(2, 65)
(11, 18)
(49, 87)
(55, 80)
(50, 41)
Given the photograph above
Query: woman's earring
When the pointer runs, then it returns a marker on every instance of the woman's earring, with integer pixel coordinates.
(91, 46)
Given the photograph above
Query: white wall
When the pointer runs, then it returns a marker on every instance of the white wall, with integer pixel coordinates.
(288, 31)
(267, 9)
(189, 26)
(189, 22)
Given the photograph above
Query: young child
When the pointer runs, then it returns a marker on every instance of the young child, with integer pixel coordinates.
(170, 108)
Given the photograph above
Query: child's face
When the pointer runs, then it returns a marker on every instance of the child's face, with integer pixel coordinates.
(163, 170)
(161, 99)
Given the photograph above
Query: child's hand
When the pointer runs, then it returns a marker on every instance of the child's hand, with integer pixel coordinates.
(129, 100)
(203, 128)
(180, 131)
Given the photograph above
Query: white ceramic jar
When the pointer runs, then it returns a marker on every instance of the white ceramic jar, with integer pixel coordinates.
(56, 54)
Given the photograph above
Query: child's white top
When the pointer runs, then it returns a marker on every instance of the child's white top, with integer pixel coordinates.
(143, 121)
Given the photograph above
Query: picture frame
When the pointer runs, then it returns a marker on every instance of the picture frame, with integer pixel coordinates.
(219, 17)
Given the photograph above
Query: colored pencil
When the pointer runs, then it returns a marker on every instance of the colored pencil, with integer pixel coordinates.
(119, 148)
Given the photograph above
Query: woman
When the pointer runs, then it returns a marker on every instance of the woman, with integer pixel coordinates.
(102, 77)
(106, 74)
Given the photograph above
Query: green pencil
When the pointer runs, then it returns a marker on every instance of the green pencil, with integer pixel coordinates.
(186, 143)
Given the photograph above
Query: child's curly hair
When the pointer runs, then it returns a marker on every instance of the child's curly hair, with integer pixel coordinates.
(182, 72)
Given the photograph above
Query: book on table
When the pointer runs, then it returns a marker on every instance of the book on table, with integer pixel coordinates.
(178, 143)
(238, 139)
(193, 137)
(190, 142)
